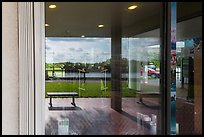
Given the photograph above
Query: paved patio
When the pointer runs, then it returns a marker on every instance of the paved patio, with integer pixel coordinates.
(93, 116)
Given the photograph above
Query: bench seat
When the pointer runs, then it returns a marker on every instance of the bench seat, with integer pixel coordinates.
(62, 94)
(148, 95)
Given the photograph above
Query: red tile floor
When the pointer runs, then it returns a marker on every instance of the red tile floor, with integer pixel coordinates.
(93, 116)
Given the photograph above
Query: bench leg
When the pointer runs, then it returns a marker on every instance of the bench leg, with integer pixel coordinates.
(50, 102)
(73, 101)
(140, 99)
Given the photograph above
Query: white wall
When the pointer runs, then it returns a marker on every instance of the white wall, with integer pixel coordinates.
(10, 113)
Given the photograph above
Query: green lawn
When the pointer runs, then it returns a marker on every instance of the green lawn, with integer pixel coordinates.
(57, 69)
(92, 89)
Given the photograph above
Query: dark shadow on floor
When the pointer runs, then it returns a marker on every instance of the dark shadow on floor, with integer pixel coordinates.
(135, 119)
(51, 128)
(147, 104)
(64, 108)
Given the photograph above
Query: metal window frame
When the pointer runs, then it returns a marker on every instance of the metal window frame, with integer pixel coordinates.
(165, 34)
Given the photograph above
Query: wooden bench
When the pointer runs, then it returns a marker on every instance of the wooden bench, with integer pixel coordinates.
(147, 95)
(62, 94)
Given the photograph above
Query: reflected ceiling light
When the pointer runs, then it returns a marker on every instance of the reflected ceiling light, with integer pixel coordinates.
(52, 6)
(82, 36)
(46, 25)
(132, 7)
(100, 25)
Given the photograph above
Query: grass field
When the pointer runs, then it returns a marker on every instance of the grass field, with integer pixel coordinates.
(58, 71)
(92, 89)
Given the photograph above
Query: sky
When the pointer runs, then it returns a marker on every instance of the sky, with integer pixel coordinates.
(85, 50)
(89, 50)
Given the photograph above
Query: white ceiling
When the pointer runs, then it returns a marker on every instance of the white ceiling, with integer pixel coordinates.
(185, 30)
(73, 19)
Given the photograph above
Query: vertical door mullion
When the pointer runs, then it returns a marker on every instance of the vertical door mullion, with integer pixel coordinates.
(165, 67)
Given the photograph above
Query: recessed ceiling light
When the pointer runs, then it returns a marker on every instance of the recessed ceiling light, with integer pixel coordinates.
(52, 6)
(132, 7)
(46, 25)
(82, 36)
(100, 25)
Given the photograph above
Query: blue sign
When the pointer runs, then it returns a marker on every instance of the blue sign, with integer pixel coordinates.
(173, 68)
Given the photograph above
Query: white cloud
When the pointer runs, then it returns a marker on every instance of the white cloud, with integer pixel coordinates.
(77, 50)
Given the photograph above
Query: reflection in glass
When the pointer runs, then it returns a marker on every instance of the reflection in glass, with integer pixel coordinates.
(189, 86)
(143, 79)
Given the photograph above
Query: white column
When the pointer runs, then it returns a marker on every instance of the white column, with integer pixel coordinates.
(39, 23)
(10, 77)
